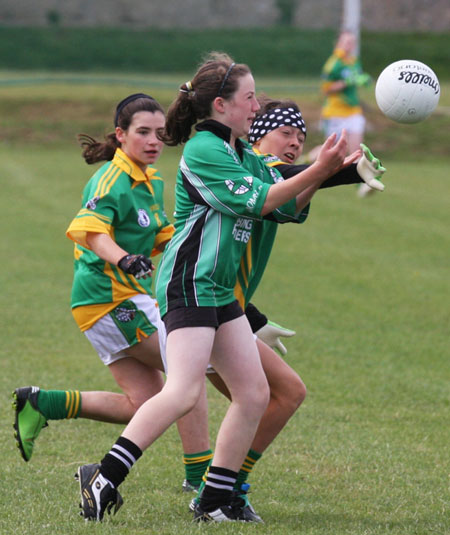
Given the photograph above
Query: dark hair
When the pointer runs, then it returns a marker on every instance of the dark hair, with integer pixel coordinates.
(216, 76)
(95, 151)
(274, 114)
(268, 104)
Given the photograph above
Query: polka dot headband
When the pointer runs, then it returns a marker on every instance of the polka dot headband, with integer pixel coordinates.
(263, 124)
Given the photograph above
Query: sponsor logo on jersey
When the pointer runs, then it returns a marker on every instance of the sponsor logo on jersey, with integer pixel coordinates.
(242, 229)
(143, 218)
(92, 203)
(252, 201)
(125, 315)
(240, 189)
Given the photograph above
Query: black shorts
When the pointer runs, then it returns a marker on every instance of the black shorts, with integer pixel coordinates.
(201, 316)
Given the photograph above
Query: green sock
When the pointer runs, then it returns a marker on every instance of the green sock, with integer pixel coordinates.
(247, 467)
(59, 404)
(195, 465)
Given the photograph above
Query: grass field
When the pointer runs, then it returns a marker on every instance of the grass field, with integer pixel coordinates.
(364, 283)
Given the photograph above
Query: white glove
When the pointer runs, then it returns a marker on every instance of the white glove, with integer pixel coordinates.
(370, 169)
(270, 334)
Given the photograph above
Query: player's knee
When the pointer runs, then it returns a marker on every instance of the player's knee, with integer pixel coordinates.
(297, 392)
(300, 393)
(189, 399)
(292, 394)
(259, 397)
(137, 401)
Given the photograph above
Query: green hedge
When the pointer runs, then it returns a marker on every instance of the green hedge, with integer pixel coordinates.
(279, 50)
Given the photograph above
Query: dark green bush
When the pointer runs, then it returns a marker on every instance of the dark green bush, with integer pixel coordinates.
(269, 51)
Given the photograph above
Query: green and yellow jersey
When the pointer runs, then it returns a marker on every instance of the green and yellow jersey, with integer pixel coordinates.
(259, 247)
(127, 204)
(345, 102)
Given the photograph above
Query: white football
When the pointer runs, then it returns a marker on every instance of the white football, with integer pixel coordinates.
(407, 91)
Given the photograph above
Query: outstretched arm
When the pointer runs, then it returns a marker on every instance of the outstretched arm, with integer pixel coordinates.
(331, 158)
(368, 165)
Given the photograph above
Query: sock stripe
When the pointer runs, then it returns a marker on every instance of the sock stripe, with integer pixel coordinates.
(221, 478)
(209, 483)
(67, 400)
(123, 460)
(194, 459)
(125, 452)
(117, 463)
(72, 403)
(248, 464)
(218, 488)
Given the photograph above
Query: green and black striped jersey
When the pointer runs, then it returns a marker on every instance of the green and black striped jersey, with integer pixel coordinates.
(220, 193)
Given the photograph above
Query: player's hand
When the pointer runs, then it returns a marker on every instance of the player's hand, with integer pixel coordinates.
(363, 79)
(270, 334)
(370, 169)
(332, 154)
(136, 264)
(359, 79)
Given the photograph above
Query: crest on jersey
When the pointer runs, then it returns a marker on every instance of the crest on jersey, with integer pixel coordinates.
(242, 188)
(92, 203)
(125, 315)
(143, 218)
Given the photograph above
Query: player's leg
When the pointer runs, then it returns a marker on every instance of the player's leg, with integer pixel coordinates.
(287, 392)
(236, 360)
(34, 406)
(194, 433)
(137, 376)
(354, 140)
(188, 350)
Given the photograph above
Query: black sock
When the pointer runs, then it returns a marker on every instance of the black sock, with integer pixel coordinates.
(116, 464)
(218, 488)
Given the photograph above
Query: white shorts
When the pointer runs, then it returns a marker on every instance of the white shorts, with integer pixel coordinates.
(354, 124)
(118, 329)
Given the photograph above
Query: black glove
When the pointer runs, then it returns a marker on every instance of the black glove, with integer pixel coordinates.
(136, 264)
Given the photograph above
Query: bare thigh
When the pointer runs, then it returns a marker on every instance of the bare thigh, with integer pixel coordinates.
(139, 374)
(236, 359)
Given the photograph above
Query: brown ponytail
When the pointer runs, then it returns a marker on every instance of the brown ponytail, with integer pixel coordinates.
(94, 151)
(216, 76)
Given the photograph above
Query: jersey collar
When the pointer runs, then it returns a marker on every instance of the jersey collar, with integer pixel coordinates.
(130, 168)
(220, 130)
